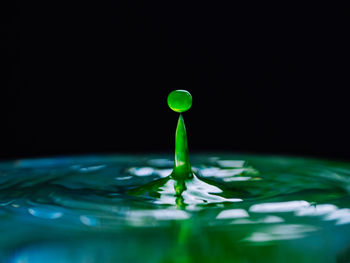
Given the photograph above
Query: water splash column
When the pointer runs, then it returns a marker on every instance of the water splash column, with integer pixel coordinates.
(181, 101)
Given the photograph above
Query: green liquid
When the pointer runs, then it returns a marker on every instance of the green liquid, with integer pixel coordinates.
(182, 167)
(259, 209)
(180, 101)
(150, 208)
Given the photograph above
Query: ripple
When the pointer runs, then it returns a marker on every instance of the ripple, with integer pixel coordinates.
(281, 232)
(255, 200)
(232, 213)
(278, 207)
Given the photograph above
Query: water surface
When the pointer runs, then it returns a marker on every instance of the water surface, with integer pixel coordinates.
(237, 208)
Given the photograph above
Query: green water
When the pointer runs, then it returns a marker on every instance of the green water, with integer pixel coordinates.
(267, 209)
(181, 101)
(210, 207)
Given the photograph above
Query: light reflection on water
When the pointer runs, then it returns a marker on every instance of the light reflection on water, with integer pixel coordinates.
(276, 207)
(45, 213)
(81, 209)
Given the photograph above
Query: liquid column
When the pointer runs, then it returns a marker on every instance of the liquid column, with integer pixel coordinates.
(180, 101)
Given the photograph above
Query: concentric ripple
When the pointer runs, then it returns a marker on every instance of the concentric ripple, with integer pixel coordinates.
(94, 208)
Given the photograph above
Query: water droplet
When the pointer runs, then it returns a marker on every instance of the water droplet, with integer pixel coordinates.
(180, 100)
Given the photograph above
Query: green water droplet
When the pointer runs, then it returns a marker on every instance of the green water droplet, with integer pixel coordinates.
(182, 167)
(182, 172)
(180, 100)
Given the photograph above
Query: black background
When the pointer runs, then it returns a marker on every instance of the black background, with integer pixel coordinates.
(94, 77)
